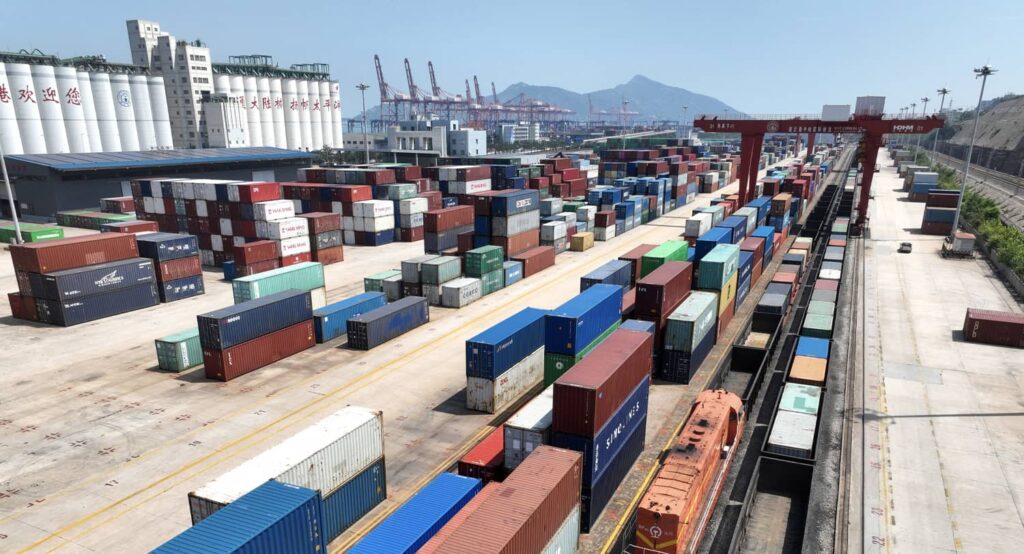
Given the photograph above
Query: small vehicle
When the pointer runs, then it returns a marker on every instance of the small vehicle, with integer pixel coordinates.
(960, 246)
(905, 248)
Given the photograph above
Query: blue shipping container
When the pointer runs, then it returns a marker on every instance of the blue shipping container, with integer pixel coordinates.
(594, 498)
(620, 227)
(599, 452)
(449, 202)
(742, 290)
(419, 519)
(482, 225)
(709, 240)
(167, 246)
(614, 272)
(746, 267)
(90, 308)
(274, 517)
(229, 270)
(180, 289)
(236, 324)
(639, 325)
(678, 366)
(353, 500)
(496, 350)
(768, 234)
(331, 321)
(575, 324)
(625, 210)
(513, 272)
(374, 328)
(512, 203)
(96, 279)
(812, 347)
(379, 238)
(763, 205)
(737, 226)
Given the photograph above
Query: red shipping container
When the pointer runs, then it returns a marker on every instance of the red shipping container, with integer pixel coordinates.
(433, 199)
(447, 218)
(55, 255)
(481, 201)
(258, 267)
(992, 327)
(473, 173)
(557, 163)
(412, 234)
(724, 318)
(465, 242)
(590, 392)
(538, 183)
(837, 242)
(329, 256)
(321, 222)
(23, 306)
(554, 179)
(755, 271)
(249, 193)
(353, 193)
(422, 185)
(790, 279)
(628, 301)
(243, 228)
(826, 284)
(225, 365)
(179, 269)
(663, 289)
(559, 190)
(605, 218)
(257, 251)
(408, 173)
(517, 243)
(486, 460)
(569, 174)
(535, 259)
(132, 227)
(578, 187)
(524, 512)
(296, 259)
(633, 257)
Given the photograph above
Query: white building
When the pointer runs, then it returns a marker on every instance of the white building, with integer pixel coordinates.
(436, 137)
(510, 134)
(225, 122)
(467, 142)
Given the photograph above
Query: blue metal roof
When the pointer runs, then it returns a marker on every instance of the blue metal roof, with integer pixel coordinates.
(157, 158)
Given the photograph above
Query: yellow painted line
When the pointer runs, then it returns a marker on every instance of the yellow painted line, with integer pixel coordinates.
(57, 534)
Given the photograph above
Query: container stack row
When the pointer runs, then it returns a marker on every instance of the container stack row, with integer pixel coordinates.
(179, 273)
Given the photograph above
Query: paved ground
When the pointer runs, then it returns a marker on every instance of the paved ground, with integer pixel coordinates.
(943, 447)
(95, 442)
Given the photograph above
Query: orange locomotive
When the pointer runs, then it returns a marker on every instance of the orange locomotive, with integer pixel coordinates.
(675, 510)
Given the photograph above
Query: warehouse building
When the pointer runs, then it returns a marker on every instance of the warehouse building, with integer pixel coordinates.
(45, 184)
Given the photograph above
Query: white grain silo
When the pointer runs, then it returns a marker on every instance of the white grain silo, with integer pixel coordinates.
(266, 114)
(69, 95)
(251, 108)
(336, 114)
(26, 108)
(121, 93)
(10, 137)
(50, 114)
(92, 127)
(277, 114)
(106, 115)
(291, 114)
(139, 86)
(326, 127)
(304, 123)
(316, 132)
(161, 112)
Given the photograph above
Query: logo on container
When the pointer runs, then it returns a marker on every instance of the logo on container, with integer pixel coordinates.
(109, 279)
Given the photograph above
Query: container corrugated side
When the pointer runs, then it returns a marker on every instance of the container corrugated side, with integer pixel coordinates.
(792, 434)
(460, 517)
(179, 351)
(97, 279)
(90, 308)
(167, 246)
(301, 276)
(595, 498)
(236, 324)
(331, 320)
(691, 321)
(505, 344)
(415, 522)
(528, 428)
(354, 499)
(320, 457)
(461, 292)
(374, 328)
(576, 323)
(492, 395)
(55, 255)
(567, 537)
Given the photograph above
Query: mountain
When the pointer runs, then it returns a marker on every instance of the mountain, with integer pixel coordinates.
(654, 100)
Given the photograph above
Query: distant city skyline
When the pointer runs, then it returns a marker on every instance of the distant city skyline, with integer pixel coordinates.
(761, 57)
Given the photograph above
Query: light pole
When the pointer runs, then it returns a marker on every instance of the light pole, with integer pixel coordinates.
(924, 111)
(685, 126)
(982, 72)
(366, 145)
(10, 197)
(942, 103)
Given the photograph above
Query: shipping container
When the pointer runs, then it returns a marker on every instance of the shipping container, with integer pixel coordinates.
(493, 395)
(236, 324)
(528, 428)
(588, 394)
(331, 320)
(595, 498)
(374, 328)
(180, 289)
(354, 499)
(93, 279)
(83, 309)
(494, 351)
(994, 327)
(237, 360)
(535, 260)
(573, 325)
(679, 366)
(663, 289)
(486, 460)
(301, 276)
(792, 434)
(167, 246)
(512, 272)
(556, 364)
(694, 319)
(461, 292)
(613, 272)
(634, 258)
(179, 351)
(411, 268)
(440, 270)
(799, 398)
(718, 266)
(56, 255)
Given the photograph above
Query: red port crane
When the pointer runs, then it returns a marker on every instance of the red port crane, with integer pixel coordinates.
(872, 128)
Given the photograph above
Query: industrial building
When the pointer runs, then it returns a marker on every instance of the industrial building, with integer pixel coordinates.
(524, 131)
(421, 138)
(47, 183)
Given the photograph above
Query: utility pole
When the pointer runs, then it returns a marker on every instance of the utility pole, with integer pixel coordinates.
(942, 103)
(366, 145)
(685, 125)
(10, 197)
(924, 111)
(982, 72)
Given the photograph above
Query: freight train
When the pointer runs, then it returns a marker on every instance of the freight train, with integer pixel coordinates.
(675, 510)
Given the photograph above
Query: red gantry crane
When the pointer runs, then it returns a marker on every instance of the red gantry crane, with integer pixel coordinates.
(871, 128)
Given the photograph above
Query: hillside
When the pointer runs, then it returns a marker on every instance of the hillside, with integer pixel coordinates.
(1001, 127)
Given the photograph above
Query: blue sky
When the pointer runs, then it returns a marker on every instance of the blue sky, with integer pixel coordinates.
(761, 56)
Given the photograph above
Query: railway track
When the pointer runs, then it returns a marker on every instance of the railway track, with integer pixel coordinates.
(1007, 191)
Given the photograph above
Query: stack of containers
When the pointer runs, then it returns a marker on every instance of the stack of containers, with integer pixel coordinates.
(486, 460)
(373, 222)
(133, 226)
(435, 272)
(410, 218)
(410, 273)
(443, 227)
(781, 212)
(719, 273)
(247, 336)
(118, 205)
(505, 361)
(939, 212)
(614, 272)
(528, 428)
(635, 259)
(698, 224)
(306, 276)
(388, 281)
(32, 232)
(554, 234)
(578, 326)
(179, 273)
(670, 250)
(75, 280)
(461, 292)
(485, 263)
(921, 182)
(275, 220)
(340, 458)
(374, 328)
(659, 294)
(690, 333)
(536, 509)
(89, 219)
(325, 237)
(755, 246)
(330, 321)
(464, 179)
(708, 241)
(600, 410)
(515, 222)
(604, 225)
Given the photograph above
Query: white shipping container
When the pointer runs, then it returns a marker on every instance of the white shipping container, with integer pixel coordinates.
(205, 189)
(293, 246)
(348, 222)
(217, 243)
(377, 224)
(336, 207)
(412, 206)
(870, 105)
(553, 230)
(273, 210)
(408, 221)
(566, 539)
(793, 434)
(461, 292)
(751, 215)
(321, 457)
(586, 213)
(432, 293)
(515, 224)
(282, 229)
(201, 209)
(604, 233)
(373, 208)
(233, 194)
(318, 297)
(206, 257)
(348, 236)
(469, 187)
(528, 428)
(485, 395)
(835, 112)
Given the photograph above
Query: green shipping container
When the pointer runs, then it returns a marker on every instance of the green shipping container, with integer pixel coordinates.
(555, 365)
(821, 307)
(804, 399)
(440, 270)
(401, 191)
(839, 228)
(718, 266)
(30, 232)
(484, 260)
(179, 351)
(818, 326)
(302, 276)
(572, 206)
(492, 281)
(375, 282)
(670, 250)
